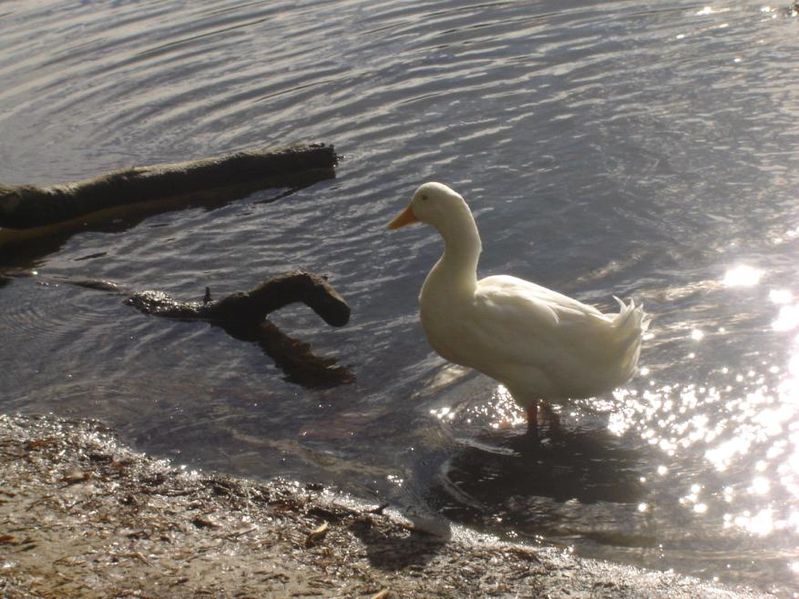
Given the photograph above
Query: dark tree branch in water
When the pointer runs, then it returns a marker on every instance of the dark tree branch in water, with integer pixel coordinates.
(26, 206)
(252, 307)
(243, 316)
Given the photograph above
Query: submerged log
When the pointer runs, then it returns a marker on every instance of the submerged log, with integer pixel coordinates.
(26, 206)
(243, 316)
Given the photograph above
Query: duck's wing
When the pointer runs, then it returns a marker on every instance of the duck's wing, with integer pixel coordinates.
(518, 322)
(524, 301)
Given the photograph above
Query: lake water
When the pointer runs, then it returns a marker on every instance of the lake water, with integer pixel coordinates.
(629, 148)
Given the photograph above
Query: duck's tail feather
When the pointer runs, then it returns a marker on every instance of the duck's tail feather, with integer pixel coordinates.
(630, 324)
(631, 317)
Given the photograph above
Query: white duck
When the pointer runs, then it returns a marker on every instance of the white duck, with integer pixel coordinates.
(540, 344)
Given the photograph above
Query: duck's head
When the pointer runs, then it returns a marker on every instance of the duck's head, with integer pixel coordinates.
(431, 204)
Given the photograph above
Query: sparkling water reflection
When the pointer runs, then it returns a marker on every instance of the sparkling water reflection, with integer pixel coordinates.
(606, 147)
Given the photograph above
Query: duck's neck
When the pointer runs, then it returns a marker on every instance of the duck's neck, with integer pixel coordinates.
(456, 270)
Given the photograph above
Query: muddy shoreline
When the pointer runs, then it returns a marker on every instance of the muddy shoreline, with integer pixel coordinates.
(82, 515)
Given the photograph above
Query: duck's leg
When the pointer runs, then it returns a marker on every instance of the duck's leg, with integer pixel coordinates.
(532, 418)
(552, 418)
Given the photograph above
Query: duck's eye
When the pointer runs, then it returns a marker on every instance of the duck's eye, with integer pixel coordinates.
(424, 196)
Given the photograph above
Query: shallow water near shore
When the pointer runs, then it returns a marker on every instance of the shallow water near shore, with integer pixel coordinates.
(606, 148)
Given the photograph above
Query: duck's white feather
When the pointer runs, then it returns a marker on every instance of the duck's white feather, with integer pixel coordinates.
(539, 343)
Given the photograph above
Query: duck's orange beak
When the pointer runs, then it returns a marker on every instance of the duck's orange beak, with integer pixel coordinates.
(406, 217)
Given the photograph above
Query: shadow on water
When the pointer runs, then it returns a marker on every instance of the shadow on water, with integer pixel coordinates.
(523, 482)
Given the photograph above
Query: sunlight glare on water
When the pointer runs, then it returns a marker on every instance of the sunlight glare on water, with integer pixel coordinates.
(742, 276)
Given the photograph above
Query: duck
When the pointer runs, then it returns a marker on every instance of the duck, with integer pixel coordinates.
(542, 346)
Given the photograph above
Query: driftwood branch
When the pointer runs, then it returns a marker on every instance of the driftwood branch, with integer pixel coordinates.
(252, 307)
(243, 316)
(26, 206)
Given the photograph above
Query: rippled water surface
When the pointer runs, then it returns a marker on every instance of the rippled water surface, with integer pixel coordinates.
(630, 148)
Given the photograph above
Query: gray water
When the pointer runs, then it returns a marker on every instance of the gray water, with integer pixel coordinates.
(629, 148)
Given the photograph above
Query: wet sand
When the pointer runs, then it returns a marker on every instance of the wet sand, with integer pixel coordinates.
(82, 515)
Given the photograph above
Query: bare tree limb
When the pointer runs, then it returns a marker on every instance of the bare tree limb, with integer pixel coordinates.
(243, 316)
